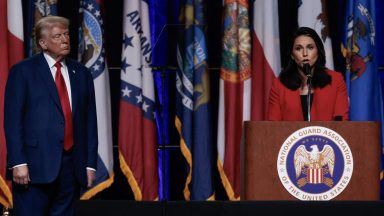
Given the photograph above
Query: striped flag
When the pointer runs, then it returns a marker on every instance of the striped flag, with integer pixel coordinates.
(315, 175)
(360, 51)
(235, 93)
(92, 55)
(244, 92)
(313, 14)
(193, 102)
(137, 127)
(266, 64)
(36, 10)
(11, 51)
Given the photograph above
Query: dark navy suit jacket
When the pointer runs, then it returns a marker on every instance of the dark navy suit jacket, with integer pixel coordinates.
(34, 121)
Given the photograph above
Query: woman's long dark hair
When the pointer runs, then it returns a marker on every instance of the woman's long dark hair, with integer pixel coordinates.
(290, 75)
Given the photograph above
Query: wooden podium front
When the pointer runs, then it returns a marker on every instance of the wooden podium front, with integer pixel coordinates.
(263, 139)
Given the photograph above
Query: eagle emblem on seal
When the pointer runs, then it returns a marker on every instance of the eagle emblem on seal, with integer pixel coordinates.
(315, 165)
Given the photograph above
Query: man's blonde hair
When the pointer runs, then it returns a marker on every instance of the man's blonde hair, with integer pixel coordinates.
(46, 23)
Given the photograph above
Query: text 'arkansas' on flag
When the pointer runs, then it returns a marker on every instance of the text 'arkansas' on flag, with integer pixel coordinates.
(92, 55)
(137, 127)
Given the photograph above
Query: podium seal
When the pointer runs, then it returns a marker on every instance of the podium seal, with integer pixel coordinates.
(315, 163)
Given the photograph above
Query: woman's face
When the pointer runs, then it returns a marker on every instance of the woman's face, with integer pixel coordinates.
(304, 51)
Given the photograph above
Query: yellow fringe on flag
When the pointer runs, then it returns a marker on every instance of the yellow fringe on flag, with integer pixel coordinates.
(130, 177)
(8, 195)
(187, 154)
(188, 157)
(96, 189)
(227, 185)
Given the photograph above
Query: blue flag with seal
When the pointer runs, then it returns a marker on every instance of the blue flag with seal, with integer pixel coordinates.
(193, 101)
(92, 55)
(362, 77)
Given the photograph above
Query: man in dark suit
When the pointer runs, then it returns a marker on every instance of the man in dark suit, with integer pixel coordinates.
(50, 125)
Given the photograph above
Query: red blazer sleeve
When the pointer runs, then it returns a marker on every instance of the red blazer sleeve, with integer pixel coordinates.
(274, 109)
(342, 104)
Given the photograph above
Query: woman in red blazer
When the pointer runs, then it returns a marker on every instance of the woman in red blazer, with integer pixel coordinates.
(288, 100)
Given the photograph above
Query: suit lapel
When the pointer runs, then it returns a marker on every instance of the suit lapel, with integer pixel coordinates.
(73, 77)
(47, 77)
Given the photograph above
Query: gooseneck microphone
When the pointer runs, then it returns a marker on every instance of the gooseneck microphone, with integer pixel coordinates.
(307, 72)
(307, 69)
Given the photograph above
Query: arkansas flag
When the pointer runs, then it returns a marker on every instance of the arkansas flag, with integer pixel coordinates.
(11, 51)
(137, 128)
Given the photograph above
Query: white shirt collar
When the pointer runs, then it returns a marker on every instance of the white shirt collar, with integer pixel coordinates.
(51, 61)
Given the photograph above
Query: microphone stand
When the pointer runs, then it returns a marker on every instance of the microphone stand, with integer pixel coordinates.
(309, 98)
(163, 144)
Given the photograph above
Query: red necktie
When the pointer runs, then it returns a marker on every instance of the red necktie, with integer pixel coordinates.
(64, 100)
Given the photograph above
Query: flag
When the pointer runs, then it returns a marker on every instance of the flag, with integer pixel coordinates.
(11, 51)
(266, 64)
(359, 49)
(313, 14)
(158, 13)
(92, 55)
(235, 93)
(36, 10)
(137, 126)
(193, 101)
(380, 50)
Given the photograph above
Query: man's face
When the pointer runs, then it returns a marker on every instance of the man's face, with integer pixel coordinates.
(55, 42)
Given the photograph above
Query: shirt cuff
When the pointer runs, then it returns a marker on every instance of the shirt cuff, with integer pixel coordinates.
(90, 168)
(19, 165)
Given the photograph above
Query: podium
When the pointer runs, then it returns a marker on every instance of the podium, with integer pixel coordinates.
(263, 140)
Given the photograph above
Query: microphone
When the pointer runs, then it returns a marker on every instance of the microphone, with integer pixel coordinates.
(307, 69)
(307, 72)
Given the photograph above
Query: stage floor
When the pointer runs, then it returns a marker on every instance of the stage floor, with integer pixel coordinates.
(227, 208)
